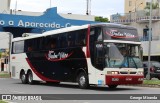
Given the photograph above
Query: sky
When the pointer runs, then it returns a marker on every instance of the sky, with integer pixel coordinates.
(103, 8)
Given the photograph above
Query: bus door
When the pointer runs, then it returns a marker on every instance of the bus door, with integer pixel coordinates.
(99, 55)
(99, 63)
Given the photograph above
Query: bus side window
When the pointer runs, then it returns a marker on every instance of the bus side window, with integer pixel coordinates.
(50, 43)
(71, 39)
(30, 48)
(63, 40)
(29, 45)
(81, 37)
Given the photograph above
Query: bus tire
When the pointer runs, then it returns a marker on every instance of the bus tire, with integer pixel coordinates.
(83, 80)
(112, 86)
(23, 77)
(30, 77)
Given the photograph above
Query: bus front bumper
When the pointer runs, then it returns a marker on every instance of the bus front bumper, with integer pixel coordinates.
(124, 79)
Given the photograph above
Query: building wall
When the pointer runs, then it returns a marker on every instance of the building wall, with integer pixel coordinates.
(134, 5)
(4, 6)
(4, 40)
(144, 25)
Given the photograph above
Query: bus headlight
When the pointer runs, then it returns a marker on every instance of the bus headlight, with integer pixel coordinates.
(113, 72)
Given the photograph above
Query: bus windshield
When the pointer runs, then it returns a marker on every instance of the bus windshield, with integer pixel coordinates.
(120, 55)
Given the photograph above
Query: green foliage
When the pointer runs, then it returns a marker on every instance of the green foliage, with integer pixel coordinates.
(2, 101)
(4, 75)
(101, 19)
(151, 82)
(0, 54)
(154, 6)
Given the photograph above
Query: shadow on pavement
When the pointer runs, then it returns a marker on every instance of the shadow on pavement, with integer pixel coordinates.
(75, 86)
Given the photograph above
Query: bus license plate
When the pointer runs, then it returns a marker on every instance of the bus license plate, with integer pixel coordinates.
(128, 79)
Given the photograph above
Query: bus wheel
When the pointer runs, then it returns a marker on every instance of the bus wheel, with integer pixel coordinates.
(83, 80)
(112, 86)
(23, 77)
(30, 77)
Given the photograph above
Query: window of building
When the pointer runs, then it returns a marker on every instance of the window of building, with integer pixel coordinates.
(130, 3)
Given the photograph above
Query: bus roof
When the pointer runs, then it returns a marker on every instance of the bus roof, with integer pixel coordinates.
(72, 28)
(114, 25)
(51, 32)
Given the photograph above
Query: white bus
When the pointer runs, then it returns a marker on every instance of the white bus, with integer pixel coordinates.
(95, 54)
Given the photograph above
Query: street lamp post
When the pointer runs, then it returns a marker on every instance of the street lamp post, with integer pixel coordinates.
(149, 46)
(50, 3)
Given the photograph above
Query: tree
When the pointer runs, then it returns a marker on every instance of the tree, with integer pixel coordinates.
(154, 6)
(101, 19)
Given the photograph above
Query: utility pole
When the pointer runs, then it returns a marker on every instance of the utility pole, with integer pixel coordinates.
(50, 3)
(15, 7)
(149, 46)
(9, 58)
(88, 11)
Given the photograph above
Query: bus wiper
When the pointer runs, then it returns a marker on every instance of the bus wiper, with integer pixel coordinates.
(134, 63)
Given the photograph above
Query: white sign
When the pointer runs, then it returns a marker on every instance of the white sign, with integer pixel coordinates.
(21, 23)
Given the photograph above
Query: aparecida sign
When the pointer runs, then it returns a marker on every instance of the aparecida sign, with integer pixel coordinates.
(50, 20)
(22, 23)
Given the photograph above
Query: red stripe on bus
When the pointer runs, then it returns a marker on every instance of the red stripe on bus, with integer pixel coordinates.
(38, 74)
(88, 38)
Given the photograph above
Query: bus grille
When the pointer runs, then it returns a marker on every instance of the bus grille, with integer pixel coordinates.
(125, 72)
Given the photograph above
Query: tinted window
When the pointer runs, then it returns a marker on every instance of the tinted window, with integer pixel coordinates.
(73, 38)
(81, 37)
(51, 42)
(18, 47)
(97, 31)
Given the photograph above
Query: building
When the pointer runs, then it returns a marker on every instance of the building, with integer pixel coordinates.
(139, 18)
(55, 19)
(5, 6)
(19, 22)
(134, 5)
(137, 5)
